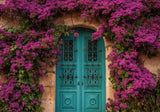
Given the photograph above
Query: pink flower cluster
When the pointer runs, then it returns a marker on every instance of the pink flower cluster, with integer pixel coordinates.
(43, 9)
(18, 54)
(15, 95)
(11, 95)
(129, 75)
(100, 31)
(25, 52)
(148, 34)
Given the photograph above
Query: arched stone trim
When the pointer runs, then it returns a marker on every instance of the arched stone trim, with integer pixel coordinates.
(75, 20)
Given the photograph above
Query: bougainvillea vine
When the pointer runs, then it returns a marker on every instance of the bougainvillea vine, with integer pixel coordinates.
(133, 26)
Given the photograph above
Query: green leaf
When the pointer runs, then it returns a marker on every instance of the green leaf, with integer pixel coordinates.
(29, 107)
(66, 33)
(126, 75)
(13, 47)
(105, 34)
(30, 74)
(1, 36)
(129, 85)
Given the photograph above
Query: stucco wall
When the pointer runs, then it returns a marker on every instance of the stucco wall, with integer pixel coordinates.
(2, 1)
(8, 22)
(49, 83)
(153, 64)
(74, 20)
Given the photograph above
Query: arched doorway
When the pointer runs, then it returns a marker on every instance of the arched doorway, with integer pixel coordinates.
(80, 76)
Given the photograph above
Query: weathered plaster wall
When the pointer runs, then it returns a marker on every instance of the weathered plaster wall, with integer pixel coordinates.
(49, 83)
(2, 1)
(153, 64)
(8, 22)
(74, 20)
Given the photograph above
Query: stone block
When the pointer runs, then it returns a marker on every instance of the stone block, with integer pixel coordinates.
(48, 81)
(109, 93)
(2, 1)
(153, 64)
(8, 22)
(49, 93)
(49, 105)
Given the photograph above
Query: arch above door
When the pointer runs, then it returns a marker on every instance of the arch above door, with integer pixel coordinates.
(73, 20)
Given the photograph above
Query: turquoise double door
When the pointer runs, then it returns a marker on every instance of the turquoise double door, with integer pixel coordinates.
(80, 76)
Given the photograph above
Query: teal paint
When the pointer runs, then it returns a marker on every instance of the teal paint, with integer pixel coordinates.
(80, 76)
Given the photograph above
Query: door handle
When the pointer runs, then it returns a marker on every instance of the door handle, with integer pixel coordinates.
(78, 83)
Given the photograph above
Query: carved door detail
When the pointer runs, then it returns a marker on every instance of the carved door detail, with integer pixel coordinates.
(80, 76)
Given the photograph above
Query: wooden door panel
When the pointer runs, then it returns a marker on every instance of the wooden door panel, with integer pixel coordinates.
(68, 101)
(92, 78)
(93, 91)
(80, 78)
(92, 102)
(67, 90)
(68, 78)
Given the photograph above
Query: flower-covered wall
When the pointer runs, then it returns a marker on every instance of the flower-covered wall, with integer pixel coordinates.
(29, 47)
(74, 20)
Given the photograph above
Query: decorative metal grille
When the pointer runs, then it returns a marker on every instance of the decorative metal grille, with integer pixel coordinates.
(68, 77)
(92, 77)
(92, 50)
(68, 50)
